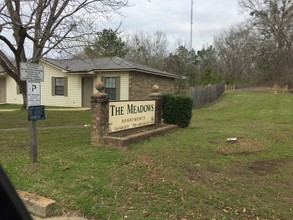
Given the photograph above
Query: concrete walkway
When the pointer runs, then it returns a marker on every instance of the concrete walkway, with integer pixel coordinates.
(8, 110)
(67, 109)
(50, 109)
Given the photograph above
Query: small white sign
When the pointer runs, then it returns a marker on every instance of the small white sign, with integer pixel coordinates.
(31, 72)
(33, 94)
(231, 139)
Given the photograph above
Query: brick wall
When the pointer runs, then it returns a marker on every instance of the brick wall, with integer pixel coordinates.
(140, 85)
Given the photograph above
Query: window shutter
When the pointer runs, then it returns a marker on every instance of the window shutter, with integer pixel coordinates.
(53, 85)
(65, 80)
(117, 87)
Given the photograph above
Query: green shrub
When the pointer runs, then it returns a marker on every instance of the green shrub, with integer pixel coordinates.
(177, 109)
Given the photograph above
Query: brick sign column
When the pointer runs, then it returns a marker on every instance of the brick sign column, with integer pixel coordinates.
(155, 95)
(100, 114)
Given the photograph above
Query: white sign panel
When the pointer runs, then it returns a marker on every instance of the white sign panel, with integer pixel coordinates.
(131, 114)
(33, 94)
(31, 72)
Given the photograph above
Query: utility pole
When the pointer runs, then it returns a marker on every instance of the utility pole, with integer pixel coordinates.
(191, 24)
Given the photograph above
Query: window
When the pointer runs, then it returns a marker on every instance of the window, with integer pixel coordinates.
(59, 86)
(110, 87)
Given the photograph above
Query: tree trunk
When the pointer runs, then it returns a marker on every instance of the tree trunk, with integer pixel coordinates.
(22, 88)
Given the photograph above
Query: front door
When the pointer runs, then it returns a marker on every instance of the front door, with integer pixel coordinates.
(87, 90)
(2, 90)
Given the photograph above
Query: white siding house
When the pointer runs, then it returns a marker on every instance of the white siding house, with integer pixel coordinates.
(12, 92)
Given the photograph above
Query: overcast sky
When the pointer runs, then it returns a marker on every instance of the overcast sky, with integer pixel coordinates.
(173, 17)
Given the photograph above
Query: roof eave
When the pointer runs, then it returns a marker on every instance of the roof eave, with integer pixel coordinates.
(157, 73)
(56, 66)
(92, 72)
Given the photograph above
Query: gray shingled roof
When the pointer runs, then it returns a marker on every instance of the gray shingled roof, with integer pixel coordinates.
(75, 66)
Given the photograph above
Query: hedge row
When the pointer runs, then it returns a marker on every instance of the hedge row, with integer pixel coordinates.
(177, 109)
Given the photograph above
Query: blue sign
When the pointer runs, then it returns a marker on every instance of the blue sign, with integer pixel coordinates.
(36, 113)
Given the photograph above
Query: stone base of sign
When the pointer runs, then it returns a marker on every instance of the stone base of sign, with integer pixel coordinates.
(115, 140)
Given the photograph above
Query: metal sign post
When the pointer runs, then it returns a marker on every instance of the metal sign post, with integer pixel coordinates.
(33, 74)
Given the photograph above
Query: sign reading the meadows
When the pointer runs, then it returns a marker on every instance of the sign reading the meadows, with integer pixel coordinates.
(131, 114)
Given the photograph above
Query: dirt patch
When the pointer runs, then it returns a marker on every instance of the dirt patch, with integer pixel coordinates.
(264, 167)
(260, 167)
(241, 147)
(193, 173)
(196, 173)
(213, 175)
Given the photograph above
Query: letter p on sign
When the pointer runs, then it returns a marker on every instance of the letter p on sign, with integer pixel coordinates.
(34, 88)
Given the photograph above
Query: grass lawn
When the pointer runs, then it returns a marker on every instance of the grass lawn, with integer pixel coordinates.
(190, 173)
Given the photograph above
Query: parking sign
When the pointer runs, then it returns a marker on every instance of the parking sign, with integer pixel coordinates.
(33, 94)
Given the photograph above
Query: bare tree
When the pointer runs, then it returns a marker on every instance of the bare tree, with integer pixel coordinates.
(236, 48)
(30, 29)
(148, 49)
(273, 22)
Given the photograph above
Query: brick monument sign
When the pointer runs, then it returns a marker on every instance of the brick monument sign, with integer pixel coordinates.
(119, 123)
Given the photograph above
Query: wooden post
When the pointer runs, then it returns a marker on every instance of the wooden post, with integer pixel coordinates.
(33, 139)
